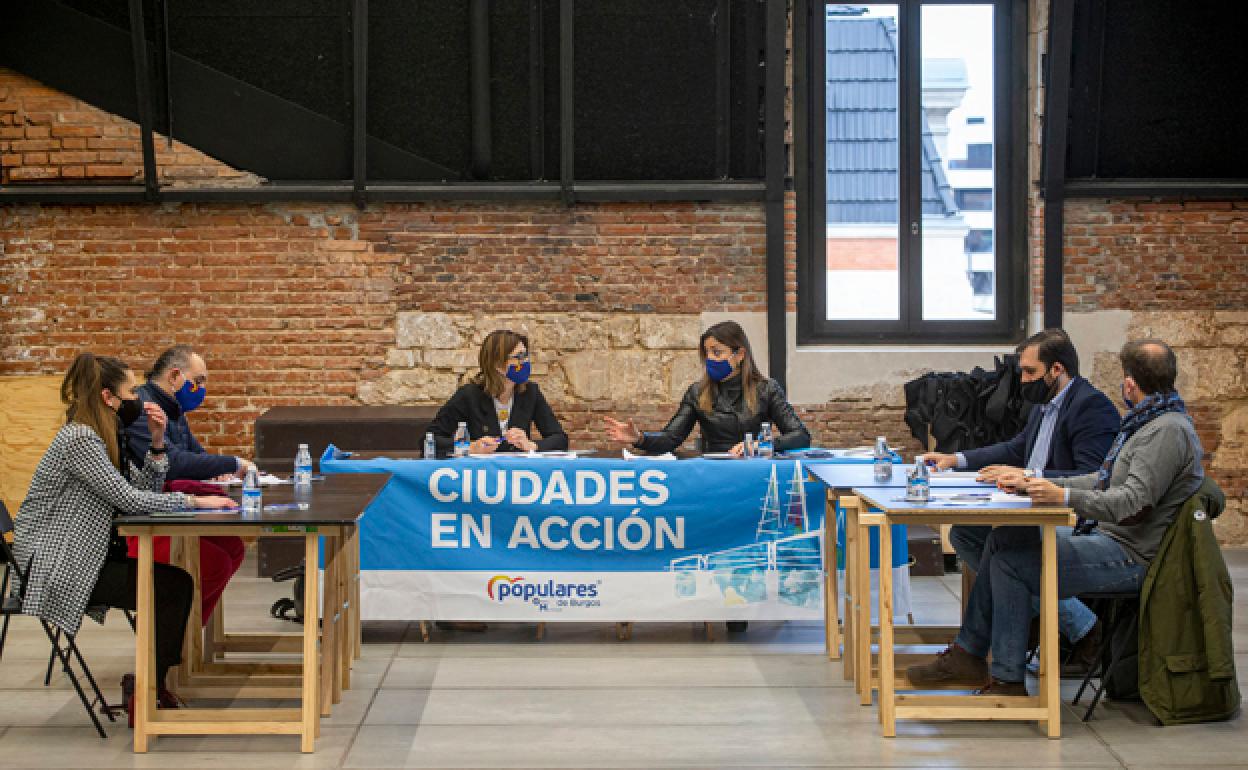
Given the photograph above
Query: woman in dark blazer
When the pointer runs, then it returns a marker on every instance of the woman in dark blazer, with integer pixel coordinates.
(500, 405)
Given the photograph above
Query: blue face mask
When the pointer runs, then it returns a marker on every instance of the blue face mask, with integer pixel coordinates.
(190, 395)
(718, 370)
(519, 374)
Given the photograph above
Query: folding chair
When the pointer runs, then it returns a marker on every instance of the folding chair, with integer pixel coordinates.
(1122, 608)
(12, 605)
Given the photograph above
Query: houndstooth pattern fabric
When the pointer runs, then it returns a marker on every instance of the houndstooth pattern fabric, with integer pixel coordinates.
(64, 525)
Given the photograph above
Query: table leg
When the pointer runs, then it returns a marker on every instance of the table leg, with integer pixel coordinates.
(888, 718)
(309, 710)
(330, 617)
(1050, 673)
(848, 662)
(145, 646)
(345, 646)
(861, 607)
(862, 600)
(831, 596)
(214, 634)
(356, 608)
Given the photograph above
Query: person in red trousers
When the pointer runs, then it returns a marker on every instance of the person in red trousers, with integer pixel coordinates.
(177, 383)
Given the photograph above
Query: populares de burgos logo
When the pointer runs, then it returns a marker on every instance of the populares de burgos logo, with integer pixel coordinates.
(549, 594)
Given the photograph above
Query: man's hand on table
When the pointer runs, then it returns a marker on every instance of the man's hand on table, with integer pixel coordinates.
(1043, 491)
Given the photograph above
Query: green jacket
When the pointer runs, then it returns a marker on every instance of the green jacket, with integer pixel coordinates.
(1187, 660)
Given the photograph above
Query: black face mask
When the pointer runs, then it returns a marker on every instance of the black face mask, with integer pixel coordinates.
(1038, 391)
(131, 410)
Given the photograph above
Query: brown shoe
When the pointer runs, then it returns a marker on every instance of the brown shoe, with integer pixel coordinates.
(953, 666)
(1002, 688)
(1083, 654)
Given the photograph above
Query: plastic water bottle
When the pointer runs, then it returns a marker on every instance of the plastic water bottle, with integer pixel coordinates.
(919, 483)
(765, 447)
(431, 447)
(303, 466)
(252, 502)
(747, 445)
(883, 460)
(461, 440)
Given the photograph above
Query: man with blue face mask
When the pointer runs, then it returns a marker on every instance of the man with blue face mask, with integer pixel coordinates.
(177, 384)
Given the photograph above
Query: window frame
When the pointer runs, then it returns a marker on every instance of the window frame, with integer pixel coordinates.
(1010, 142)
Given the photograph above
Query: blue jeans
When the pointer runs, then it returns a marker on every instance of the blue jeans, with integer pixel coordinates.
(999, 610)
(1074, 619)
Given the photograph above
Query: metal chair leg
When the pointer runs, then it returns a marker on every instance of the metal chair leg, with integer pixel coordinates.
(63, 656)
(1097, 669)
(4, 634)
(86, 671)
(56, 640)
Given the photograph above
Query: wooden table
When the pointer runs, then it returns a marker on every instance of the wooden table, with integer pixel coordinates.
(1045, 708)
(839, 480)
(329, 641)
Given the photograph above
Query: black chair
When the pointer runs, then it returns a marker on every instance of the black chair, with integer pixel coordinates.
(1114, 608)
(66, 654)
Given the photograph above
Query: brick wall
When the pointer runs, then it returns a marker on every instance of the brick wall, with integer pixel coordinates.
(646, 258)
(47, 136)
(1148, 255)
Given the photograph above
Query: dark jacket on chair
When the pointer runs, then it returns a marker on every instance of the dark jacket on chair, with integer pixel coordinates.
(471, 404)
(1087, 423)
(1187, 657)
(728, 421)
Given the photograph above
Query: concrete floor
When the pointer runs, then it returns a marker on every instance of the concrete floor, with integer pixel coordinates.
(581, 699)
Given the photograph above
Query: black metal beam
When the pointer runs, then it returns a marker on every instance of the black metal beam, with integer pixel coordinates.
(537, 93)
(567, 66)
(48, 193)
(479, 87)
(723, 86)
(670, 191)
(692, 190)
(166, 75)
(359, 102)
(774, 160)
(1220, 189)
(910, 178)
(807, 103)
(1056, 114)
(143, 95)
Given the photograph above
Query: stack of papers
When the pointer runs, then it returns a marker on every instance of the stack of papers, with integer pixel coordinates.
(665, 456)
(266, 480)
(978, 498)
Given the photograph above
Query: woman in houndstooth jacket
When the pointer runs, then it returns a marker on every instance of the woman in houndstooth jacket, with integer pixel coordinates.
(63, 534)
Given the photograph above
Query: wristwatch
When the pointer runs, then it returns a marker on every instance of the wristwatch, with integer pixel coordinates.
(158, 450)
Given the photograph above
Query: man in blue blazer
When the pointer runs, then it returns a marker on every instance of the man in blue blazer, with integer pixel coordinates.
(1068, 433)
(176, 384)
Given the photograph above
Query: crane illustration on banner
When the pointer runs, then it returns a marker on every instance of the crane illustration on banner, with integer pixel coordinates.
(784, 561)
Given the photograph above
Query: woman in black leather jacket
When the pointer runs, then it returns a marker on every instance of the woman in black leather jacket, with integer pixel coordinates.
(732, 399)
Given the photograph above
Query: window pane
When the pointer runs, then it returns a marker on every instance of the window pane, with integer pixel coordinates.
(862, 163)
(959, 265)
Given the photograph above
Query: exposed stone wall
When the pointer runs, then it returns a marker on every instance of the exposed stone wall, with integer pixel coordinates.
(1212, 349)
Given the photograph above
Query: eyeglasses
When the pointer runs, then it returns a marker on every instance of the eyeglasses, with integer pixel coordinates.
(521, 357)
